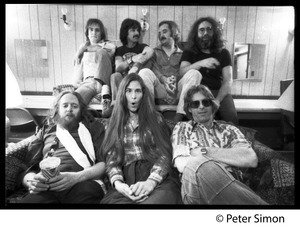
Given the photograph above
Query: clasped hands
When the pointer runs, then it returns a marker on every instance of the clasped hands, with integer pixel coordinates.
(137, 192)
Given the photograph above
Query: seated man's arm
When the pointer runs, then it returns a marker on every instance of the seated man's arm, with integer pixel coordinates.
(226, 84)
(121, 65)
(210, 63)
(144, 56)
(66, 180)
(240, 156)
(180, 145)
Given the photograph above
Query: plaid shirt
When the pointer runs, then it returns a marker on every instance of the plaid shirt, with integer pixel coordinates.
(187, 136)
(133, 152)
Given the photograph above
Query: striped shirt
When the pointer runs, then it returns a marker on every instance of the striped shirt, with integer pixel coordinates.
(189, 135)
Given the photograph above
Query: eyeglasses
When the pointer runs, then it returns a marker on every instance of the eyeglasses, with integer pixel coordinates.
(196, 104)
(207, 29)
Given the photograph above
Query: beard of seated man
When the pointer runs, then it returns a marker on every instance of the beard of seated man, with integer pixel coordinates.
(69, 121)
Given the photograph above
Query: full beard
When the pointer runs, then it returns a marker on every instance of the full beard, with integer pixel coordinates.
(68, 122)
(204, 42)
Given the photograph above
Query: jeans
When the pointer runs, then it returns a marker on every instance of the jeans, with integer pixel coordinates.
(205, 181)
(94, 65)
(115, 81)
(158, 90)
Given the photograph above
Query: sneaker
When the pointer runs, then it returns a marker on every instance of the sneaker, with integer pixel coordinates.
(106, 108)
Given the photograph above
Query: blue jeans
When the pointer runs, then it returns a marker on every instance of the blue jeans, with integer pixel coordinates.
(205, 181)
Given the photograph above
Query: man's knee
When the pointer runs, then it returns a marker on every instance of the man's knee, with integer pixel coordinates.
(193, 74)
(116, 77)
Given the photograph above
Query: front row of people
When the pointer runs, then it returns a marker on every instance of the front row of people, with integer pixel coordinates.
(136, 154)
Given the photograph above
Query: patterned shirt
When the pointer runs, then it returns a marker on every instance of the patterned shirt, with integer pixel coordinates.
(189, 135)
(133, 152)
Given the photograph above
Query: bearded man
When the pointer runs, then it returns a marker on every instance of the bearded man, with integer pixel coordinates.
(73, 135)
(207, 58)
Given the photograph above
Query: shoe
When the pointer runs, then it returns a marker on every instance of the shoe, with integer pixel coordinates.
(106, 108)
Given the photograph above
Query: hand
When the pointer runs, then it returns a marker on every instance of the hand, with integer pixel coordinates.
(126, 191)
(143, 187)
(134, 69)
(63, 181)
(140, 58)
(210, 63)
(36, 183)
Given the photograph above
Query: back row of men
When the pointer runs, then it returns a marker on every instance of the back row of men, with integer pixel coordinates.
(167, 71)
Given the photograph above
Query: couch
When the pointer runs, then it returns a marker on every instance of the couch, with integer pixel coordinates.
(273, 179)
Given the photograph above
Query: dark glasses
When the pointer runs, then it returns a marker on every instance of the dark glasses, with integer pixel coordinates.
(196, 104)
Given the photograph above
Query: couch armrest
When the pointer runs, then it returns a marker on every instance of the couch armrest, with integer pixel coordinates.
(14, 163)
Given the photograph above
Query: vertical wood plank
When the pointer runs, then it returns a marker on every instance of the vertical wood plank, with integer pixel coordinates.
(12, 21)
(178, 19)
(35, 34)
(262, 35)
(153, 23)
(206, 11)
(189, 17)
(55, 35)
(107, 14)
(24, 28)
(122, 14)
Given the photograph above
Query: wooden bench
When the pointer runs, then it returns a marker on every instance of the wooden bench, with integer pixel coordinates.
(38, 105)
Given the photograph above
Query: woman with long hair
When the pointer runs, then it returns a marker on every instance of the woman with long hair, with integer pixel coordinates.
(138, 151)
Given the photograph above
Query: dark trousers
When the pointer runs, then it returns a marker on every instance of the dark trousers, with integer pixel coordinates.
(227, 111)
(87, 192)
(168, 192)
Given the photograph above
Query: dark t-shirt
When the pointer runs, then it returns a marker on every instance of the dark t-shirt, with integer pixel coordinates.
(126, 52)
(212, 78)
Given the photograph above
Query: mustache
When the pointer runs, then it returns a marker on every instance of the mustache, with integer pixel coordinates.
(138, 36)
(162, 38)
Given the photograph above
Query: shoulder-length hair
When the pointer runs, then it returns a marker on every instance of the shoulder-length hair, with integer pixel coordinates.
(175, 33)
(204, 91)
(127, 24)
(92, 21)
(153, 132)
(218, 41)
(85, 115)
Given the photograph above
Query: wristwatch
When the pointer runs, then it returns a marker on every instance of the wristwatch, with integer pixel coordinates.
(129, 60)
(203, 150)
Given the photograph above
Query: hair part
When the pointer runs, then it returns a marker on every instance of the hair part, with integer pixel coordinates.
(218, 41)
(154, 133)
(191, 92)
(127, 24)
(92, 21)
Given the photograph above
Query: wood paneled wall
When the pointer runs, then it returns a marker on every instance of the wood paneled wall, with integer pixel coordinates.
(263, 25)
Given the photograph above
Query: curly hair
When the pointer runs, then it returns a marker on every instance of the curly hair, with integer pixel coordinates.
(153, 130)
(204, 91)
(218, 41)
(127, 24)
(85, 115)
(92, 21)
(175, 33)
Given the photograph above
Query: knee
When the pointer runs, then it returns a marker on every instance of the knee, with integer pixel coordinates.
(117, 76)
(143, 73)
(193, 75)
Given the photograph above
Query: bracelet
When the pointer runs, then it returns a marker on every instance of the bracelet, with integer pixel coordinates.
(203, 150)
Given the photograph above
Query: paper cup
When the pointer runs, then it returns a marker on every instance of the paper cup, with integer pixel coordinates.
(50, 167)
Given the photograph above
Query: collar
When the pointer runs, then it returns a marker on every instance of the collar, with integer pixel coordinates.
(178, 50)
(195, 124)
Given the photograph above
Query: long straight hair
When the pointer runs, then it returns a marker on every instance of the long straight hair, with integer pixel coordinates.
(153, 131)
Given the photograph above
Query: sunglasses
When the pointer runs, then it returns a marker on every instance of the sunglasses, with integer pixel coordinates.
(207, 29)
(196, 104)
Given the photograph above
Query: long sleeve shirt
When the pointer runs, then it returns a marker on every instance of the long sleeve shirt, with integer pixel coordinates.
(163, 65)
(133, 152)
(189, 135)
